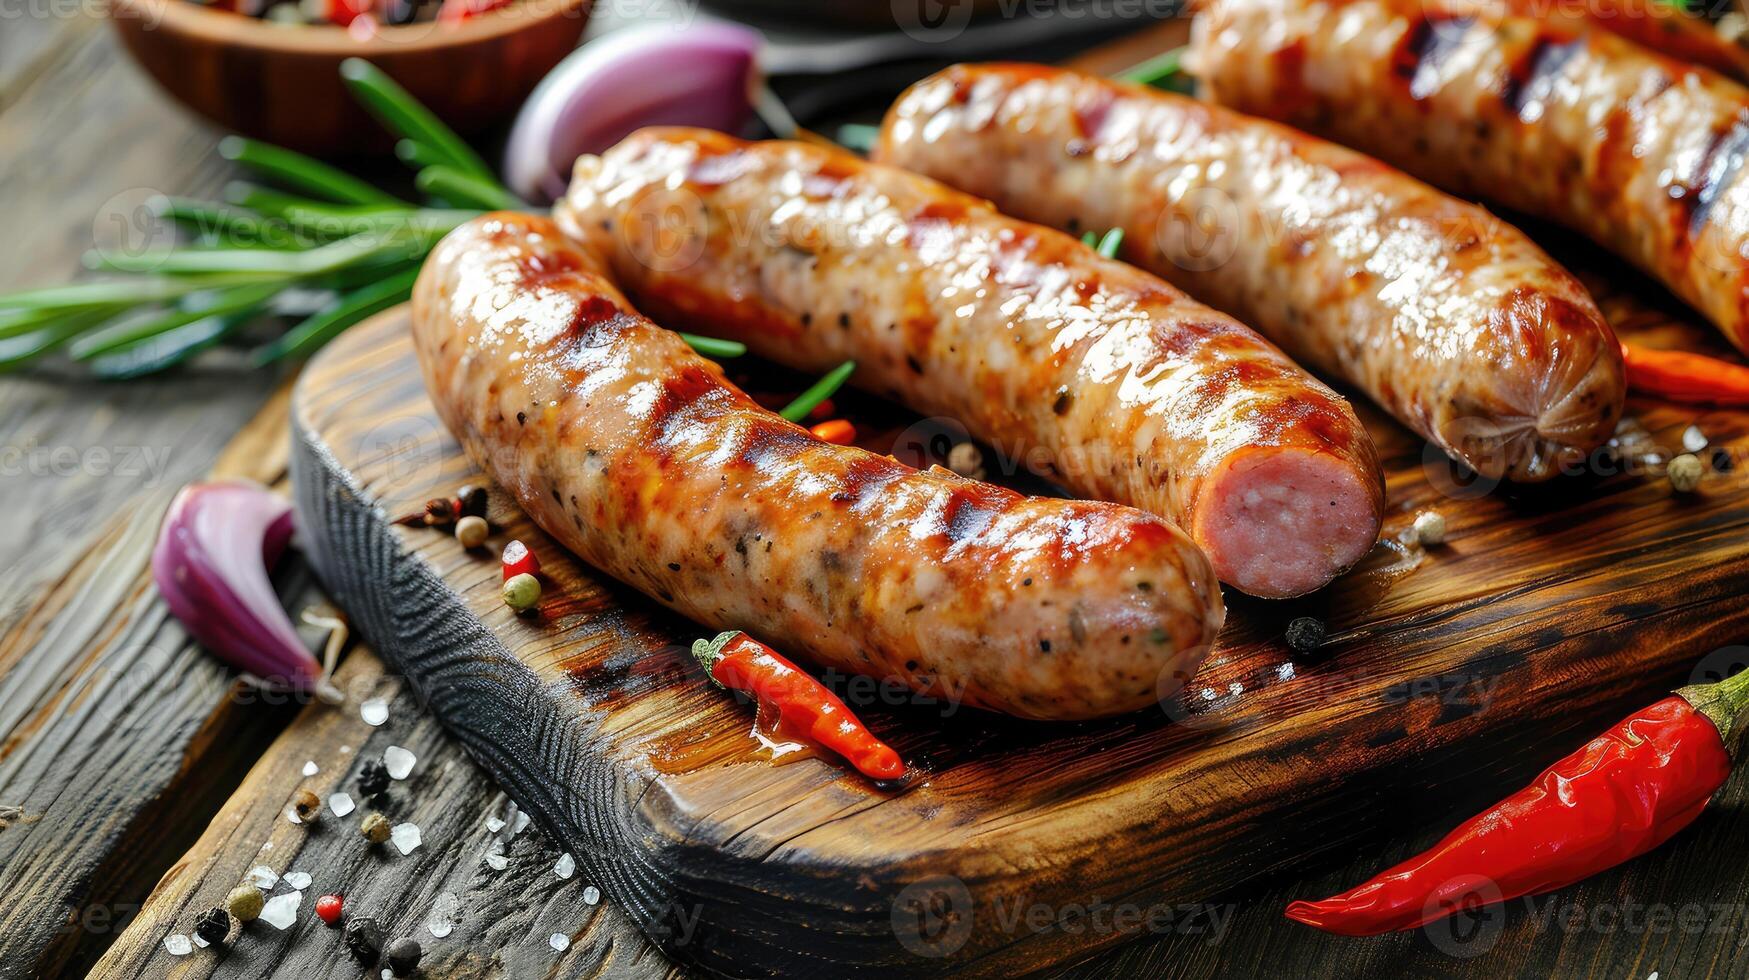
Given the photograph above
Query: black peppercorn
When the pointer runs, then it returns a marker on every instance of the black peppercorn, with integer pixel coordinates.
(363, 939)
(473, 501)
(1305, 635)
(213, 926)
(404, 956)
(373, 779)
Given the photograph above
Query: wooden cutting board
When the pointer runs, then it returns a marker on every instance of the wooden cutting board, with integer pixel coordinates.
(1451, 674)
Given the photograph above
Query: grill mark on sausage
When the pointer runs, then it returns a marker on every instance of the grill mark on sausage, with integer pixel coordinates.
(1424, 48)
(1719, 168)
(966, 515)
(1532, 79)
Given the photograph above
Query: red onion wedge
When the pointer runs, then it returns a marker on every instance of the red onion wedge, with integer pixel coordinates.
(659, 75)
(218, 541)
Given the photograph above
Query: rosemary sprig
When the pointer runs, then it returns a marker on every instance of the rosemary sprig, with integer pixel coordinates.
(303, 173)
(402, 114)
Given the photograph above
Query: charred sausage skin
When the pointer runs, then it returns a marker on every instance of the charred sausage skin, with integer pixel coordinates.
(630, 450)
(1130, 390)
(1640, 152)
(1448, 318)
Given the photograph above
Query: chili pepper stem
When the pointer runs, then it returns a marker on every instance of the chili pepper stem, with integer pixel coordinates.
(1724, 703)
(708, 652)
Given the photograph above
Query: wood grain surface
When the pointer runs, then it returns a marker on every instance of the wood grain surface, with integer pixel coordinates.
(1510, 634)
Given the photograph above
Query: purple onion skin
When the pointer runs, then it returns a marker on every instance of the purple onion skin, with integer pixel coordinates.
(615, 85)
(211, 566)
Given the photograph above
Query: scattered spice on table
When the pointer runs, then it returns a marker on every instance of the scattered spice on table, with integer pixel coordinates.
(1685, 472)
(307, 805)
(374, 711)
(398, 762)
(373, 779)
(965, 459)
(375, 828)
(519, 559)
(470, 501)
(1620, 795)
(1430, 528)
(212, 926)
(244, 902)
(838, 432)
(1305, 635)
(404, 955)
(329, 909)
(472, 531)
(794, 703)
(522, 592)
(363, 939)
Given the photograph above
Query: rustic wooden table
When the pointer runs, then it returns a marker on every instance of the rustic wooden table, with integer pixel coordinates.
(139, 781)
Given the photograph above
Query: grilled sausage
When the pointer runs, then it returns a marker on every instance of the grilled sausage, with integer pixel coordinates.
(1127, 388)
(629, 449)
(1667, 28)
(1453, 321)
(1642, 153)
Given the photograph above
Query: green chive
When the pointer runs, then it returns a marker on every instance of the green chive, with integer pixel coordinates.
(302, 173)
(712, 347)
(115, 292)
(818, 392)
(18, 351)
(1112, 241)
(858, 137)
(1087, 239)
(453, 185)
(166, 350)
(305, 338)
(131, 331)
(315, 261)
(396, 109)
(1161, 71)
(417, 155)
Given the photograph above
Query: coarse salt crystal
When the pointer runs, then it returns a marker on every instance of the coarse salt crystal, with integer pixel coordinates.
(520, 824)
(406, 837)
(281, 911)
(591, 895)
(374, 712)
(443, 914)
(297, 879)
(398, 761)
(341, 804)
(310, 768)
(1285, 672)
(200, 943)
(560, 941)
(178, 945)
(291, 813)
(263, 877)
(495, 858)
(1235, 688)
(1693, 439)
(493, 825)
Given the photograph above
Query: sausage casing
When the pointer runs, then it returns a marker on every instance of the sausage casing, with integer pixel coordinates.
(1130, 390)
(630, 450)
(1640, 152)
(1450, 319)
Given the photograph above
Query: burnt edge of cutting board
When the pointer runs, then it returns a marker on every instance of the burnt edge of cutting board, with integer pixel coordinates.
(1549, 614)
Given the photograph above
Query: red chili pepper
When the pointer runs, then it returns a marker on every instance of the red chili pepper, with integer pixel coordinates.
(802, 704)
(837, 431)
(329, 907)
(1684, 377)
(343, 12)
(1624, 793)
(519, 560)
(825, 410)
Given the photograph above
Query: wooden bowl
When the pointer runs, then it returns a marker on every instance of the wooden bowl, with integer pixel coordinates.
(282, 83)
